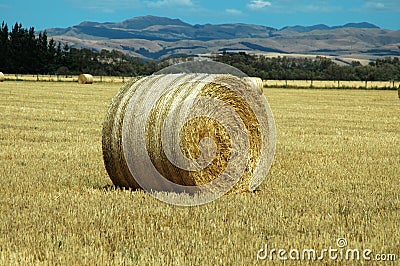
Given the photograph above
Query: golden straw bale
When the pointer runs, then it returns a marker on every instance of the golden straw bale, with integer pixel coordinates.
(217, 123)
(85, 79)
(256, 83)
(398, 91)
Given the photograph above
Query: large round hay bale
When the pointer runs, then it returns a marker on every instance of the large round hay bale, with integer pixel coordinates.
(188, 133)
(256, 83)
(85, 79)
(2, 77)
(113, 154)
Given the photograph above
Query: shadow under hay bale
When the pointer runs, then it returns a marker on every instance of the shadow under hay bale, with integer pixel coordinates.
(85, 79)
(218, 124)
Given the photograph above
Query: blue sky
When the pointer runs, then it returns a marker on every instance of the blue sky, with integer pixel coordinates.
(274, 13)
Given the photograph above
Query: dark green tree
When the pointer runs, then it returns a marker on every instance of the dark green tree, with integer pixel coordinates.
(4, 47)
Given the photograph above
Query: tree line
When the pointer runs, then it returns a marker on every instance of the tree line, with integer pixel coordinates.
(22, 51)
(319, 68)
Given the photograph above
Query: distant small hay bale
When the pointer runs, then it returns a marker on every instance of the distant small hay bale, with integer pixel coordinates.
(398, 91)
(2, 77)
(85, 79)
(255, 82)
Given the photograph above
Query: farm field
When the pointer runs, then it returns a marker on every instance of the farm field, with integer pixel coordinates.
(62, 78)
(267, 83)
(335, 175)
(325, 84)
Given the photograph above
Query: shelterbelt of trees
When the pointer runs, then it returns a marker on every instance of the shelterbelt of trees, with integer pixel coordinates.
(319, 68)
(23, 51)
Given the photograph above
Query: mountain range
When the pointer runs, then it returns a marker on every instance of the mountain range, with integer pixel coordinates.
(156, 37)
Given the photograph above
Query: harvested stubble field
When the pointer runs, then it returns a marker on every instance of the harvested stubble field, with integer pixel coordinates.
(335, 175)
(62, 78)
(332, 84)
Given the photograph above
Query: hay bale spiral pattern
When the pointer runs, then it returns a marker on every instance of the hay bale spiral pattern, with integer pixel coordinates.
(200, 132)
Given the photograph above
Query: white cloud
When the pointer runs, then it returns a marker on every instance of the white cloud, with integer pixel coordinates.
(233, 11)
(377, 5)
(258, 4)
(169, 3)
(382, 5)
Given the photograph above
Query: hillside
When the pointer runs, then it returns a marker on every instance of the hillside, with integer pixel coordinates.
(157, 37)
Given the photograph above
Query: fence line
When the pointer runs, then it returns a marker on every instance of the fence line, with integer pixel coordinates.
(331, 84)
(267, 83)
(62, 78)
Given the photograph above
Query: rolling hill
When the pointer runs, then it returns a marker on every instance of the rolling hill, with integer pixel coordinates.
(157, 37)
